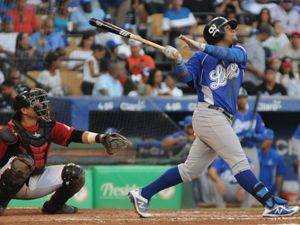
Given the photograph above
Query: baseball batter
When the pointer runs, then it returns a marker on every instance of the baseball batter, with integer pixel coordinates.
(216, 72)
(24, 146)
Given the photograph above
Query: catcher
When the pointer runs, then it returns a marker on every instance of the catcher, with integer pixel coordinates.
(24, 146)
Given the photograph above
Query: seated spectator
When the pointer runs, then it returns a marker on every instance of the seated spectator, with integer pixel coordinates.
(137, 62)
(227, 188)
(272, 167)
(255, 6)
(84, 51)
(62, 18)
(177, 20)
(108, 84)
(8, 37)
(91, 69)
(177, 141)
(274, 63)
(2, 78)
(117, 8)
(6, 5)
(293, 49)
(155, 83)
(288, 16)
(269, 86)
(230, 8)
(14, 76)
(131, 88)
(7, 95)
(82, 15)
(24, 17)
(24, 50)
(170, 87)
(256, 58)
(263, 17)
(279, 41)
(113, 51)
(289, 79)
(47, 39)
(51, 77)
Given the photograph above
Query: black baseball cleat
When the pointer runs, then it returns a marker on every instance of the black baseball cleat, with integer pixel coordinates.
(65, 209)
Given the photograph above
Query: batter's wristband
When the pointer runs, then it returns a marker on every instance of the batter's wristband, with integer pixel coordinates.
(181, 68)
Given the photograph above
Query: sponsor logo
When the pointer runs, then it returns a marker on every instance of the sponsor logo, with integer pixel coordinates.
(128, 106)
(109, 190)
(106, 106)
(82, 195)
(167, 193)
(220, 75)
(275, 105)
(173, 106)
(192, 106)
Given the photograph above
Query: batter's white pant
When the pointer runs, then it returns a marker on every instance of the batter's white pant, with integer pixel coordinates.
(214, 135)
(296, 149)
(39, 185)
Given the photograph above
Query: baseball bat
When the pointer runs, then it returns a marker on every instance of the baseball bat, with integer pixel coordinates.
(124, 33)
(255, 109)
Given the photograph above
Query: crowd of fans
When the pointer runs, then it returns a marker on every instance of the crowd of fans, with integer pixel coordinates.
(35, 35)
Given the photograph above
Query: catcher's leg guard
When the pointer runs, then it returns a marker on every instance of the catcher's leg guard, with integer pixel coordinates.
(73, 180)
(13, 178)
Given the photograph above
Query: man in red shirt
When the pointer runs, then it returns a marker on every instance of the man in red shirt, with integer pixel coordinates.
(24, 17)
(24, 146)
(137, 62)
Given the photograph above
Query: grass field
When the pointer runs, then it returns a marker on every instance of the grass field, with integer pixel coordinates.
(128, 217)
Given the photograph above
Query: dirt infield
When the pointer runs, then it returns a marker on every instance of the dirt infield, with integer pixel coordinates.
(120, 217)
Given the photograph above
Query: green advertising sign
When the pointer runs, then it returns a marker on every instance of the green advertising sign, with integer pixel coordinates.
(112, 184)
(83, 199)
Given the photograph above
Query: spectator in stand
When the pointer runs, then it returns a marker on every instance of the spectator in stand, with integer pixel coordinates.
(289, 79)
(7, 95)
(24, 50)
(279, 41)
(6, 5)
(24, 17)
(274, 63)
(272, 167)
(255, 6)
(263, 17)
(155, 83)
(2, 78)
(177, 20)
(297, 6)
(51, 77)
(113, 51)
(288, 16)
(256, 58)
(62, 18)
(84, 51)
(269, 86)
(82, 15)
(230, 8)
(15, 77)
(91, 69)
(138, 62)
(108, 84)
(47, 39)
(293, 50)
(8, 37)
(117, 8)
(170, 87)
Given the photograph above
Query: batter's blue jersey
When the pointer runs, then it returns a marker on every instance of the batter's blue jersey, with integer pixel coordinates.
(242, 125)
(216, 74)
(297, 133)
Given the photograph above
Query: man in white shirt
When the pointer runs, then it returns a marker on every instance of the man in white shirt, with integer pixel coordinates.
(51, 76)
(169, 87)
(288, 16)
(109, 84)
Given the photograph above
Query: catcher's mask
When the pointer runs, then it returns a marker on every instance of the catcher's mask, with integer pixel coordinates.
(35, 98)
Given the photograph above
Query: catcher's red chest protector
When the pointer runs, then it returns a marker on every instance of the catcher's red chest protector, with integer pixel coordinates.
(35, 143)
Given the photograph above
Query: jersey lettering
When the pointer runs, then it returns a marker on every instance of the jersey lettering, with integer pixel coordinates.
(220, 75)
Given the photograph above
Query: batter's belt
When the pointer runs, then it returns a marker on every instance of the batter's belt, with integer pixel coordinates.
(228, 115)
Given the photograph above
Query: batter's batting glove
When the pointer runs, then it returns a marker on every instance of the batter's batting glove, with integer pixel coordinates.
(193, 45)
(114, 142)
(172, 53)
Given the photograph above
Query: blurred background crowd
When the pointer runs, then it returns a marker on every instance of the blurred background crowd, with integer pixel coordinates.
(50, 44)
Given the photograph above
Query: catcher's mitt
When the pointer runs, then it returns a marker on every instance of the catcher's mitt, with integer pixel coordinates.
(114, 142)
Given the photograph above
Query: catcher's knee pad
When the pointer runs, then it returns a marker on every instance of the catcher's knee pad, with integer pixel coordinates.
(240, 166)
(14, 178)
(73, 177)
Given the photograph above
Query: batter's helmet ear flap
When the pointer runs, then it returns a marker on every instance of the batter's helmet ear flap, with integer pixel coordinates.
(214, 30)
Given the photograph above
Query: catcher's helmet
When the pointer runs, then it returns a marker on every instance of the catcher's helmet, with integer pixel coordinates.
(214, 29)
(35, 98)
(243, 92)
